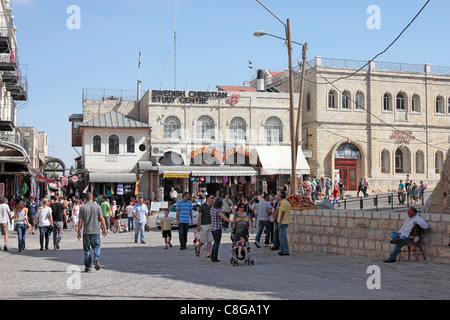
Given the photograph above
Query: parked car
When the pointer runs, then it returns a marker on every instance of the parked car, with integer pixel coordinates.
(173, 216)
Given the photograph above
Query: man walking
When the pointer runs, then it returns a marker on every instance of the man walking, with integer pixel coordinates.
(227, 208)
(106, 208)
(400, 191)
(5, 218)
(184, 219)
(140, 212)
(89, 220)
(204, 227)
(264, 220)
(59, 216)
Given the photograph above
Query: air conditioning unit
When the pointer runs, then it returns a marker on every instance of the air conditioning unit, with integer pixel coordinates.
(157, 151)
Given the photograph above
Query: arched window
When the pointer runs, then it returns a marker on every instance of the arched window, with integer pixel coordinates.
(400, 102)
(113, 144)
(204, 128)
(420, 162)
(238, 129)
(97, 143)
(332, 99)
(172, 128)
(308, 101)
(346, 100)
(130, 144)
(385, 162)
(273, 129)
(359, 100)
(387, 102)
(415, 103)
(399, 165)
(438, 162)
(439, 105)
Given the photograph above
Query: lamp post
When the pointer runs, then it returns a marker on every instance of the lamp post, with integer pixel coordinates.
(294, 135)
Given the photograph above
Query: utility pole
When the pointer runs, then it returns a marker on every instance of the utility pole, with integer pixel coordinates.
(300, 102)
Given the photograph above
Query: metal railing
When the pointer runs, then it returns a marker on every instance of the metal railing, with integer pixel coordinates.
(109, 94)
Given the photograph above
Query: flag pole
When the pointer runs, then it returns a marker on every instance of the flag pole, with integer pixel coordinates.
(139, 78)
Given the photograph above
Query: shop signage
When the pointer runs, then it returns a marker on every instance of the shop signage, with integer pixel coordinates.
(219, 154)
(402, 137)
(186, 97)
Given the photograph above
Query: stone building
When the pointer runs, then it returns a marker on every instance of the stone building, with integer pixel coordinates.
(379, 121)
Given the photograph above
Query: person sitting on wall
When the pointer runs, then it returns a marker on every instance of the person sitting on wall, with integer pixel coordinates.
(400, 238)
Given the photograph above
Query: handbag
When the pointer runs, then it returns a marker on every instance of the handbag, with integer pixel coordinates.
(147, 228)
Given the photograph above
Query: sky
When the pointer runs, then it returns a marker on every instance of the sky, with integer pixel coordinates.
(97, 46)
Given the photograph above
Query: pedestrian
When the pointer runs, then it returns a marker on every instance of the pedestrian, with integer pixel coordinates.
(341, 189)
(327, 188)
(90, 218)
(217, 218)
(117, 216)
(140, 212)
(184, 219)
(365, 187)
(227, 209)
(106, 208)
(173, 195)
(130, 216)
(22, 224)
(5, 218)
(166, 229)
(32, 207)
(422, 188)
(45, 222)
(276, 231)
(407, 182)
(284, 218)
(59, 216)
(335, 195)
(263, 220)
(360, 187)
(204, 227)
(112, 215)
(75, 214)
(399, 238)
(400, 192)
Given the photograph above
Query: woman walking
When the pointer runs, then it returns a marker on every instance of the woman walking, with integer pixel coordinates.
(217, 218)
(45, 221)
(21, 218)
(75, 214)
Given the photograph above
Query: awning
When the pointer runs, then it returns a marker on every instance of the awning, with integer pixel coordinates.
(145, 166)
(205, 171)
(106, 177)
(223, 171)
(277, 160)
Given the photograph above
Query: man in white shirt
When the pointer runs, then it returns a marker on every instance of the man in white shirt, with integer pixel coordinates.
(399, 238)
(5, 217)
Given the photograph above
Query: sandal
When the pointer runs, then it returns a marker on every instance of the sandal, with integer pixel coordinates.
(197, 252)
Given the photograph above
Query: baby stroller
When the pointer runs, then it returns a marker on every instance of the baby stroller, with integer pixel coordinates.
(239, 230)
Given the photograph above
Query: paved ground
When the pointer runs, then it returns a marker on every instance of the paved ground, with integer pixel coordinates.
(148, 271)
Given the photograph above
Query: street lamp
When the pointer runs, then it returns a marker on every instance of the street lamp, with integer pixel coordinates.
(295, 137)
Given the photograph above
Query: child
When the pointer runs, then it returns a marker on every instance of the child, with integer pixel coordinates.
(242, 244)
(166, 229)
(335, 194)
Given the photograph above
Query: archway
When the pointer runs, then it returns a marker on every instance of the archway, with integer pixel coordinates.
(348, 163)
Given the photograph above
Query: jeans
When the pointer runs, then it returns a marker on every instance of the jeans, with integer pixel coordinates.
(283, 238)
(44, 232)
(91, 241)
(217, 235)
(140, 228)
(21, 231)
(131, 224)
(336, 201)
(183, 229)
(397, 247)
(261, 225)
(276, 235)
(57, 232)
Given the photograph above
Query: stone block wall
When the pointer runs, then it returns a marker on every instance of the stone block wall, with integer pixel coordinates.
(363, 234)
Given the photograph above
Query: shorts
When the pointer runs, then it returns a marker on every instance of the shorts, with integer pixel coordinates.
(4, 227)
(167, 234)
(206, 234)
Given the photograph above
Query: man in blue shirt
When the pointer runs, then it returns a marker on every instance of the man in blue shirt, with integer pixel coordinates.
(184, 219)
(140, 212)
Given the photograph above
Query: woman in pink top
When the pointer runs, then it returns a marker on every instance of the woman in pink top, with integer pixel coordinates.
(75, 214)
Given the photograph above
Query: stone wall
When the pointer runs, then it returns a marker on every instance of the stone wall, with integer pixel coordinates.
(363, 234)
(439, 201)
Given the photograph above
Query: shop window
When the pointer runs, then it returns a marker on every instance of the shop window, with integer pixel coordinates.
(113, 144)
(97, 144)
(130, 144)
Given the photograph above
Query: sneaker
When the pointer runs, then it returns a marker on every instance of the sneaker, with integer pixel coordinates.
(396, 241)
(267, 245)
(5, 248)
(257, 244)
(97, 265)
(86, 269)
(389, 260)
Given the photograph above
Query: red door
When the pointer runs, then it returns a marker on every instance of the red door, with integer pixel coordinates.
(348, 169)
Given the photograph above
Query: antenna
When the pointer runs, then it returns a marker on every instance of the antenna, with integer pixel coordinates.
(175, 50)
